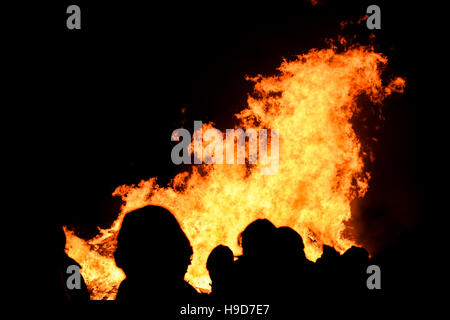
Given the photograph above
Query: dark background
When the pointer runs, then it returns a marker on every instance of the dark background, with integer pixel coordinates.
(101, 102)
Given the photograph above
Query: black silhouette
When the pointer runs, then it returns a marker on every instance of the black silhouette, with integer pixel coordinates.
(254, 267)
(154, 253)
(220, 266)
(354, 265)
(328, 273)
(294, 272)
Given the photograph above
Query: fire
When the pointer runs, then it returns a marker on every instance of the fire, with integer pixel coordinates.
(311, 101)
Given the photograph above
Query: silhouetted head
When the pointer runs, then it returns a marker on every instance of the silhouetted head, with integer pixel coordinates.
(258, 238)
(329, 255)
(356, 255)
(220, 262)
(151, 246)
(289, 242)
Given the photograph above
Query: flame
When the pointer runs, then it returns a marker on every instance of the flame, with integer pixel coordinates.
(311, 101)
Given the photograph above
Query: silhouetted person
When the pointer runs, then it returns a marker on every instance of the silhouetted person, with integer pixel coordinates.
(221, 271)
(255, 269)
(289, 243)
(329, 256)
(154, 253)
(61, 274)
(354, 264)
(328, 268)
(294, 272)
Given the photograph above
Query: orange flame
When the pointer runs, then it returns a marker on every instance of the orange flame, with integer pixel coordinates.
(311, 102)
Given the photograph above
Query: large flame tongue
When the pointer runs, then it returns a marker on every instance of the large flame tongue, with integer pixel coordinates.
(310, 102)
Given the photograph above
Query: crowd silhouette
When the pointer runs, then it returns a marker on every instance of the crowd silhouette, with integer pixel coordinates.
(155, 253)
